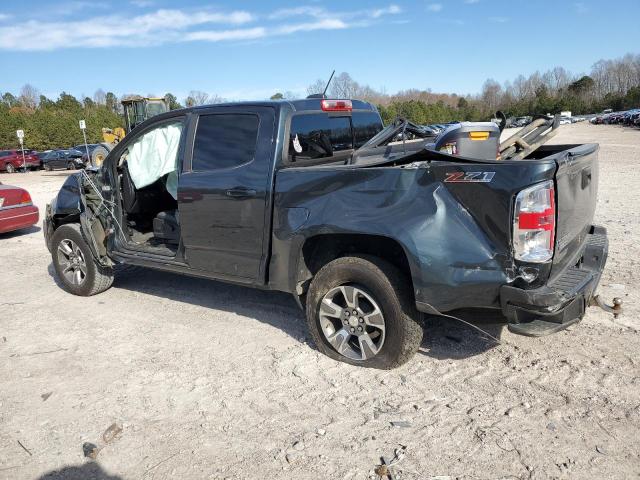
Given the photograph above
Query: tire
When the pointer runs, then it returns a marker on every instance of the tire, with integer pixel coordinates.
(71, 166)
(93, 279)
(98, 155)
(48, 168)
(10, 168)
(392, 341)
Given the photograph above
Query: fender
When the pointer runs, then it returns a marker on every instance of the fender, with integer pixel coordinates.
(70, 206)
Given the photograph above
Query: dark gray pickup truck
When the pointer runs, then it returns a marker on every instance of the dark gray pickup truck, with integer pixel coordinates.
(295, 196)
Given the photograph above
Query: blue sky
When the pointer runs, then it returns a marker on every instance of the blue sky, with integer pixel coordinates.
(249, 50)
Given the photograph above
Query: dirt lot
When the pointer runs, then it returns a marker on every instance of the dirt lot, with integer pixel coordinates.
(215, 381)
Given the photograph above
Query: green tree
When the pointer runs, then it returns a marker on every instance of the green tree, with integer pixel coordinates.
(173, 101)
(277, 96)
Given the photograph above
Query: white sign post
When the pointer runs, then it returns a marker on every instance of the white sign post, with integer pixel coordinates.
(20, 135)
(83, 127)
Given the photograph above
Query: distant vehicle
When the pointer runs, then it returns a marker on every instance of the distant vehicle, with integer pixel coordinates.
(11, 160)
(607, 110)
(97, 153)
(521, 122)
(69, 159)
(566, 113)
(565, 120)
(16, 209)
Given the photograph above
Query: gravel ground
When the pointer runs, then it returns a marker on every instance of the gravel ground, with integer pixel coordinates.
(216, 381)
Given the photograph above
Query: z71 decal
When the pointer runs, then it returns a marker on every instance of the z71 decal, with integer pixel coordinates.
(469, 177)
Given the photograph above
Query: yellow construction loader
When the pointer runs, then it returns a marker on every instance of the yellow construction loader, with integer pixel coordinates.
(136, 110)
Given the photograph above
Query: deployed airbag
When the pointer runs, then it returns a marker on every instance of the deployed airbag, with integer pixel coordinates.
(154, 155)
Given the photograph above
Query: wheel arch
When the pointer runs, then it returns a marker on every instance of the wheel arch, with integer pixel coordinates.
(320, 249)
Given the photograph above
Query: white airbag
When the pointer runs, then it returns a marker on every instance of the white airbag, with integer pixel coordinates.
(154, 155)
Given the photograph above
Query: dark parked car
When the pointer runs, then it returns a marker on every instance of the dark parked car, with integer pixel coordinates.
(69, 159)
(12, 160)
(297, 196)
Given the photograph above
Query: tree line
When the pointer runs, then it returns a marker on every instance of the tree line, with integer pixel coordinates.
(610, 84)
(51, 123)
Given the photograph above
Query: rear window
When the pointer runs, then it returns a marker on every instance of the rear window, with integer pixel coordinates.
(224, 141)
(365, 126)
(317, 135)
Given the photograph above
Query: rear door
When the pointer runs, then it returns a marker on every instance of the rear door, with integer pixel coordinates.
(224, 190)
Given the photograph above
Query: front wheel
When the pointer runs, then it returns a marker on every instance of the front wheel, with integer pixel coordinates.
(360, 311)
(11, 168)
(74, 264)
(71, 166)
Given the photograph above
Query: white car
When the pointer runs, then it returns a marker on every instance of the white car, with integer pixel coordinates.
(564, 120)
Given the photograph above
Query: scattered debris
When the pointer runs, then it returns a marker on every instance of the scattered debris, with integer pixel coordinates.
(401, 424)
(600, 450)
(385, 468)
(112, 432)
(159, 463)
(321, 432)
(38, 353)
(24, 448)
(299, 446)
(90, 450)
(45, 396)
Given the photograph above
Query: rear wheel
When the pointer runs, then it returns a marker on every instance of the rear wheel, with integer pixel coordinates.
(10, 168)
(48, 168)
(71, 166)
(360, 311)
(74, 264)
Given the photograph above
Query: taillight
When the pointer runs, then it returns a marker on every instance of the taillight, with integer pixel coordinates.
(534, 223)
(336, 105)
(25, 197)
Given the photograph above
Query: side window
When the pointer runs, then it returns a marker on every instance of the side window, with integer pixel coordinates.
(365, 126)
(4, 154)
(318, 135)
(224, 141)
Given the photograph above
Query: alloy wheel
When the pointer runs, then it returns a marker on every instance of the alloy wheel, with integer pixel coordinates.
(352, 322)
(72, 262)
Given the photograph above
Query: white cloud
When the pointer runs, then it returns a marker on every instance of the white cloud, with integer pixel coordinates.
(581, 8)
(390, 10)
(4, 16)
(498, 19)
(434, 7)
(142, 3)
(327, 24)
(178, 26)
(298, 11)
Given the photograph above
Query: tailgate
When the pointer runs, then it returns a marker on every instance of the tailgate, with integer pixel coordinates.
(576, 192)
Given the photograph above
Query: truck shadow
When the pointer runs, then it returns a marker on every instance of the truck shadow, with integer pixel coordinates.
(86, 471)
(444, 338)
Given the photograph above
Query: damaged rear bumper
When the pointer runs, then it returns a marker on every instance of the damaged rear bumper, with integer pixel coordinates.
(561, 302)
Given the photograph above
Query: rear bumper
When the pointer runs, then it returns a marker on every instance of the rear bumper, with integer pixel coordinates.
(15, 218)
(562, 301)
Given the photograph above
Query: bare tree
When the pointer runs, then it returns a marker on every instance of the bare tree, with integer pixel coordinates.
(29, 96)
(316, 87)
(100, 97)
(491, 94)
(197, 97)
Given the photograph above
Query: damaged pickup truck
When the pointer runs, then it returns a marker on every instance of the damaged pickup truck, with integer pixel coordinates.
(367, 227)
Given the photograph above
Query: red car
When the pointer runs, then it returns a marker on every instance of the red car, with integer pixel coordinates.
(16, 209)
(11, 160)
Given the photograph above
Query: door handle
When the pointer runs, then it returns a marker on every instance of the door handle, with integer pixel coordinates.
(241, 192)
